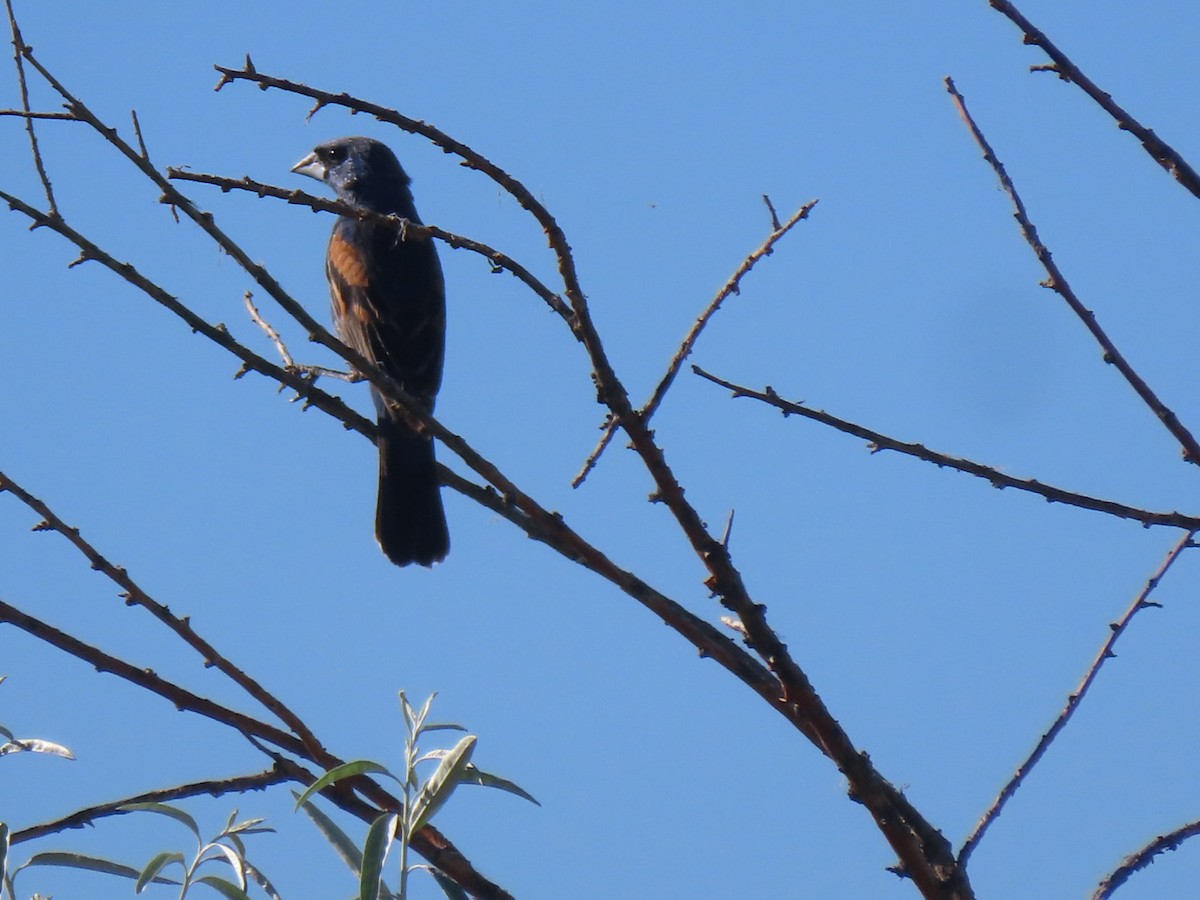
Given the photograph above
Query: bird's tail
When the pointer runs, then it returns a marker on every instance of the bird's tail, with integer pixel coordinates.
(410, 523)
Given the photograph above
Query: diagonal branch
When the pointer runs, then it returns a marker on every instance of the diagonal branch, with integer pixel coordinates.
(499, 261)
(732, 286)
(925, 855)
(1058, 282)
(879, 441)
(1116, 629)
(133, 595)
(1160, 151)
(19, 49)
(182, 698)
(214, 788)
(1142, 858)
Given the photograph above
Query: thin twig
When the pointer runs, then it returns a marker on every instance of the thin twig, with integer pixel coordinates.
(20, 49)
(1160, 151)
(1116, 629)
(1058, 283)
(134, 595)
(498, 261)
(925, 854)
(878, 441)
(218, 334)
(27, 114)
(213, 788)
(180, 697)
(732, 286)
(1142, 858)
(272, 334)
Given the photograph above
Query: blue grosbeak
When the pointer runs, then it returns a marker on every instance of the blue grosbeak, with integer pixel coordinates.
(389, 304)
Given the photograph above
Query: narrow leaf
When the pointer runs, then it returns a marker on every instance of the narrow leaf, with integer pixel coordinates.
(345, 770)
(234, 860)
(441, 784)
(223, 887)
(91, 863)
(35, 745)
(250, 826)
(473, 775)
(449, 888)
(152, 868)
(261, 880)
(342, 845)
(171, 812)
(3, 850)
(407, 711)
(375, 851)
(443, 726)
(425, 707)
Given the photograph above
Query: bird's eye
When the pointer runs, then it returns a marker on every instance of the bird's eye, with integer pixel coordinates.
(335, 154)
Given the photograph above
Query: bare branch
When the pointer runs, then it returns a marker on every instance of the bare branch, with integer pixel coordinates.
(133, 595)
(182, 698)
(1160, 151)
(926, 856)
(1058, 283)
(20, 50)
(218, 334)
(498, 261)
(1116, 629)
(271, 333)
(1142, 858)
(27, 114)
(732, 286)
(237, 785)
(879, 441)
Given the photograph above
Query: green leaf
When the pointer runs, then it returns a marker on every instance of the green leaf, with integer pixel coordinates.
(342, 845)
(473, 775)
(157, 864)
(425, 707)
(250, 826)
(235, 861)
(223, 887)
(83, 861)
(171, 812)
(375, 850)
(441, 784)
(345, 770)
(407, 711)
(261, 880)
(449, 887)
(442, 726)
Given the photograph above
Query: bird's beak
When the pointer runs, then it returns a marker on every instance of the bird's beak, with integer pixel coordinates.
(310, 166)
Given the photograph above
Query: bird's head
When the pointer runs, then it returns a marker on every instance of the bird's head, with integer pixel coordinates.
(360, 170)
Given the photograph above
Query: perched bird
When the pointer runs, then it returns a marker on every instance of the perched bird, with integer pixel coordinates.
(389, 304)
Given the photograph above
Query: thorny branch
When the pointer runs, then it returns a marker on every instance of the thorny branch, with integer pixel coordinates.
(498, 261)
(1142, 858)
(1160, 151)
(1058, 283)
(878, 441)
(732, 286)
(1116, 629)
(925, 855)
(213, 788)
(19, 50)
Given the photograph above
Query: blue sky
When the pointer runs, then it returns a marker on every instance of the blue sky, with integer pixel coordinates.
(942, 621)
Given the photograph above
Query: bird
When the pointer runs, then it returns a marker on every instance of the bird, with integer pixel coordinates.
(389, 304)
